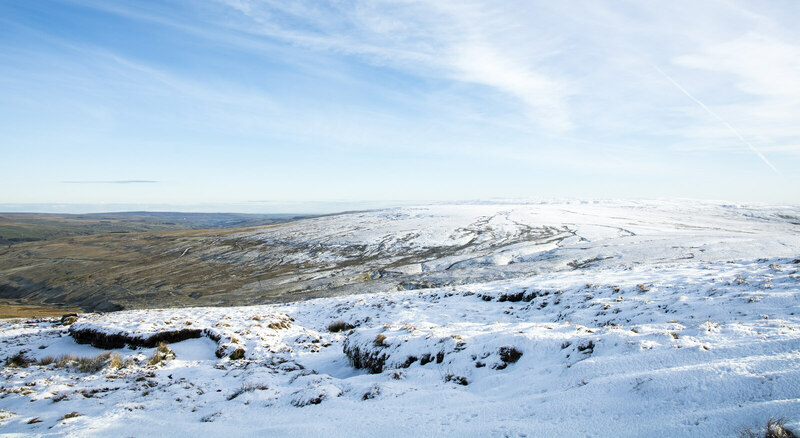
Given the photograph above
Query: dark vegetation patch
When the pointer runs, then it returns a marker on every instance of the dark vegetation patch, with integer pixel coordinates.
(247, 388)
(110, 341)
(372, 360)
(460, 380)
(428, 358)
(514, 297)
(586, 348)
(409, 360)
(509, 354)
(340, 326)
(18, 360)
(519, 296)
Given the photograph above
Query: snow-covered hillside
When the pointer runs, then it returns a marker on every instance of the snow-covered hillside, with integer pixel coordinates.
(440, 245)
(607, 319)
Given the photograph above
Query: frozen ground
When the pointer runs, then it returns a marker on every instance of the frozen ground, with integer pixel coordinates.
(679, 319)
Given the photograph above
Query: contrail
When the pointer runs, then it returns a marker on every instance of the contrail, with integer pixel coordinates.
(728, 125)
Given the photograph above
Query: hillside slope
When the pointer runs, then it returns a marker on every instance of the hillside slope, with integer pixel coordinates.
(386, 250)
(697, 349)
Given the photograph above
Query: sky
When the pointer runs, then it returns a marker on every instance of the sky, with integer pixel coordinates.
(309, 106)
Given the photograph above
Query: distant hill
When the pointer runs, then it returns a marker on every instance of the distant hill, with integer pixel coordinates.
(29, 227)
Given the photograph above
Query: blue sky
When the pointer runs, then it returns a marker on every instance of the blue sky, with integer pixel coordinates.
(248, 105)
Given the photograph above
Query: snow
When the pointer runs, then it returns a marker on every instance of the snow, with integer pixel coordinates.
(645, 342)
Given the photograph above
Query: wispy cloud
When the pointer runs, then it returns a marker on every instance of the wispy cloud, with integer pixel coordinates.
(566, 67)
(473, 42)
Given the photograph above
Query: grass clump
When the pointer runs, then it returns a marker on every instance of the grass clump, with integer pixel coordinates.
(775, 428)
(380, 340)
(340, 326)
(247, 388)
(92, 364)
(18, 361)
(82, 364)
(280, 324)
(70, 415)
(162, 354)
(116, 362)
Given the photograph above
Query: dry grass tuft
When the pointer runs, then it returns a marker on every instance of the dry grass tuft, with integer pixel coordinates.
(162, 354)
(277, 325)
(775, 428)
(82, 364)
(70, 415)
(116, 362)
(92, 364)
